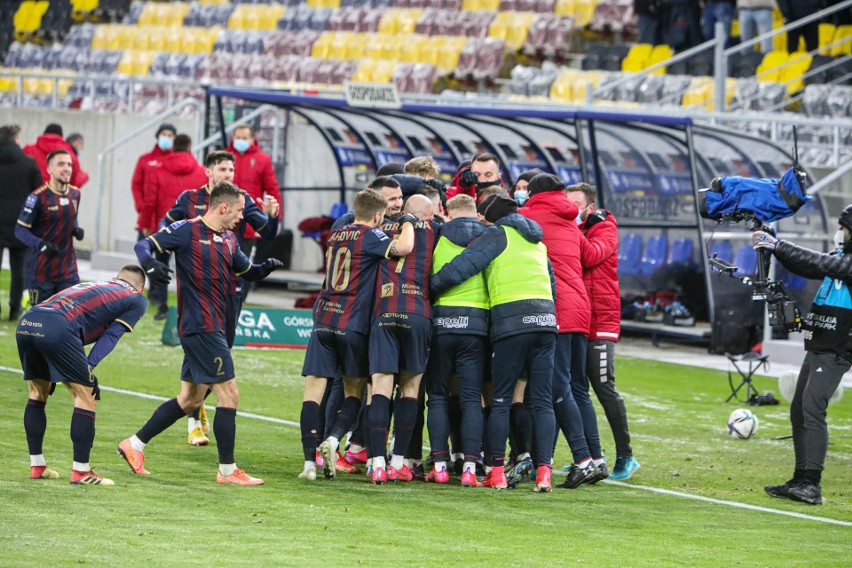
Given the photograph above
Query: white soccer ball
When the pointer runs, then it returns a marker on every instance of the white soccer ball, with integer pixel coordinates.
(787, 387)
(742, 424)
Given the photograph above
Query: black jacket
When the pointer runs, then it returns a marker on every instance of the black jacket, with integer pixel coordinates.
(19, 176)
(460, 319)
(513, 318)
(828, 324)
(796, 9)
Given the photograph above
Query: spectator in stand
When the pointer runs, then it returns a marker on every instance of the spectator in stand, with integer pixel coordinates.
(48, 142)
(77, 142)
(683, 24)
(179, 171)
(793, 10)
(254, 174)
(145, 165)
(19, 176)
(652, 16)
(717, 11)
(755, 20)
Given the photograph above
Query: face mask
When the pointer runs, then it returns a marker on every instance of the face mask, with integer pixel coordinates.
(579, 218)
(165, 143)
(521, 196)
(840, 238)
(241, 146)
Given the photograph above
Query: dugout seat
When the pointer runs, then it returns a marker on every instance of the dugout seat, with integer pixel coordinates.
(681, 252)
(654, 255)
(630, 254)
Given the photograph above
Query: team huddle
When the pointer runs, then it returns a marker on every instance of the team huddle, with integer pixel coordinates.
(459, 307)
(457, 299)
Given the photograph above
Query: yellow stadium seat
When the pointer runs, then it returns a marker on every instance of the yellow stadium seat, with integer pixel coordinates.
(843, 35)
(384, 72)
(375, 45)
(583, 11)
(337, 47)
(472, 5)
(321, 45)
(658, 54)
(324, 3)
(84, 5)
(28, 17)
(213, 2)
(791, 75)
(700, 91)
(392, 49)
(637, 58)
(516, 35)
(581, 85)
(388, 24)
(364, 73)
(237, 20)
(355, 46)
(826, 36)
(412, 49)
(407, 20)
(770, 68)
(564, 8)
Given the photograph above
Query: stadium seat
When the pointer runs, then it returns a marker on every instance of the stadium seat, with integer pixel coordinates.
(796, 67)
(721, 249)
(842, 41)
(637, 58)
(629, 254)
(745, 66)
(28, 18)
(659, 54)
(826, 36)
(681, 252)
(654, 255)
(818, 72)
(815, 100)
(746, 261)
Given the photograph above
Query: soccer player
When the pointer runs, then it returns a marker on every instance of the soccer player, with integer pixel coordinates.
(47, 224)
(400, 335)
(194, 202)
(206, 256)
(338, 344)
(522, 289)
(50, 340)
(459, 345)
(392, 192)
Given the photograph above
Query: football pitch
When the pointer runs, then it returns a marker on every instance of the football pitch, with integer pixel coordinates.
(181, 516)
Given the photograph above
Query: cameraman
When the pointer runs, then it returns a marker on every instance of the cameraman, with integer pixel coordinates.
(828, 349)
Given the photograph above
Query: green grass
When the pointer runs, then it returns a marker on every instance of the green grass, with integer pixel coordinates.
(181, 516)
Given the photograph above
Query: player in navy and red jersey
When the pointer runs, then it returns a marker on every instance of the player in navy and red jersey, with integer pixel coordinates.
(400, 334)
(206, 256)
(50, 340)
(338, 344)
(48, 225)
(192, 203)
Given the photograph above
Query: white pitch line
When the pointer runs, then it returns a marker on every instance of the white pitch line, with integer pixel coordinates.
(607, 481)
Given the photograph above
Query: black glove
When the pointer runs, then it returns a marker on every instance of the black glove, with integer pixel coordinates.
(595, 218)
(434, 183)
(158, 273)
(407, 218)
(48, 249)
(270, 265)
(468, 179)
(78, 233)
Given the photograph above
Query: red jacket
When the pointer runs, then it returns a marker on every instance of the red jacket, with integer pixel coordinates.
(557, 216)
(142, 176)
(179, 172)
(600, 274)
(47, 143)
(254, 173)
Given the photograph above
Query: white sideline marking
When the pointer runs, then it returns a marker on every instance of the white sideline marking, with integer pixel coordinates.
(607, 481)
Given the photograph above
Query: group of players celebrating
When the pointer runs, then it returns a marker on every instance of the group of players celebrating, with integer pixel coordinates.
(466, 304)
(458, 305)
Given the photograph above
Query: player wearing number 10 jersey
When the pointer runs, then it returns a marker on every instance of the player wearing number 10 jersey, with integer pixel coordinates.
(399, 341)
(338, 344)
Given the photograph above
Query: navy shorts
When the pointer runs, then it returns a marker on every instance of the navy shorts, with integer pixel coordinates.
(400, 342)
(51, 350)
(206, 358)
(336, 352)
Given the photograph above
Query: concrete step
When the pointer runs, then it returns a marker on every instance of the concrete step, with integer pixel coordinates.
(125, 245)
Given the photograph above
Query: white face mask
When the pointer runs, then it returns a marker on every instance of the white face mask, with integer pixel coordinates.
(840, 238)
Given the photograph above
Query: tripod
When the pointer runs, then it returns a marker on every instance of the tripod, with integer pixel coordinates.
(755, 362)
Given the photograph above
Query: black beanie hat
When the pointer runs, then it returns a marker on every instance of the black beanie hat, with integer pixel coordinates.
(496, 207)
(165, 126)
(528, 175)
(53, 128)
(390, 169)
(845, 219)
(545, 182)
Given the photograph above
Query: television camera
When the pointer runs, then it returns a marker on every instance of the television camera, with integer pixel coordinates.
(758, 202)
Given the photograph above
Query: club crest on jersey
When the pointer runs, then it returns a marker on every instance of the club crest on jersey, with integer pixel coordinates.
(63, 201)
(387, 290)
(217, 239)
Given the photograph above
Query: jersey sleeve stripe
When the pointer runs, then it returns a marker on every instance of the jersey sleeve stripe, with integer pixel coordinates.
(28, 226)
(125, 324)
(153, 240)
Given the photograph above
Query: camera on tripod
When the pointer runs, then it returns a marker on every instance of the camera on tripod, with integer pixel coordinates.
(758, 202)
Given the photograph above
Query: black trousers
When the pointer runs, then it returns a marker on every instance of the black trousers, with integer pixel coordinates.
(16, 264)
(600, 369)
(818, 379)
